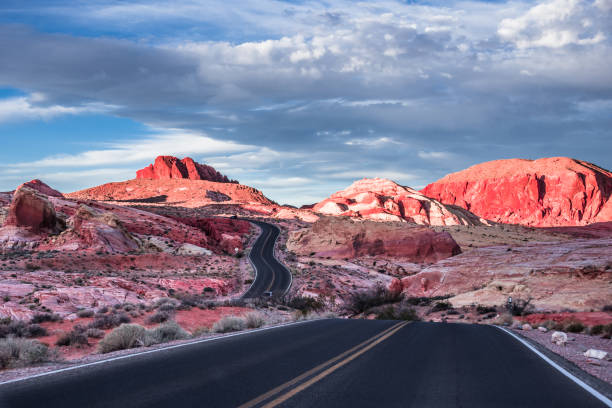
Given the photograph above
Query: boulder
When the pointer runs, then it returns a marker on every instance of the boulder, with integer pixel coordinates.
(170, 167)
(547, 192)
(594, 353)
(526, 326)
(559, 338)
(190, 249)
(41, 188)
(349, 238)
(384, 200)
(542, 329)
(32, 211)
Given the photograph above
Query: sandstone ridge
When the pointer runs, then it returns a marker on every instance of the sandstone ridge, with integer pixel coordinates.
(384, 200)
(547, 192)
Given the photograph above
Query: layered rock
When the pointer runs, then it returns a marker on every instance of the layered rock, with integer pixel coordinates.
(32, 211)
(554, 275)
(170, 167)
(349, 238)
(546, 192)
(385, 200)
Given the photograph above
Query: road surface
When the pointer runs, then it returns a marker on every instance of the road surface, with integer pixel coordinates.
(324, 363)
(272, 276)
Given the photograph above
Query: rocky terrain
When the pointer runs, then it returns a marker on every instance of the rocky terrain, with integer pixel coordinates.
(547, 192)
(385, 200)
(170, 234)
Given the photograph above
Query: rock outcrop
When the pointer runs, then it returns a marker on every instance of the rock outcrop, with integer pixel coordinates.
(573, 274)
(385, 200)
(349, 238)
(170, 167)
(546, 192)
(32, 211)
(41, 188)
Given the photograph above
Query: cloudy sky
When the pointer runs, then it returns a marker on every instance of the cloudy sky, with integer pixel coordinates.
(299, 98)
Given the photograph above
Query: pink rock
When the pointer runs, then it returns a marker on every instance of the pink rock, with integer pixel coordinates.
(33, 211)
(547, 192)
(41, 188)
(384, 200)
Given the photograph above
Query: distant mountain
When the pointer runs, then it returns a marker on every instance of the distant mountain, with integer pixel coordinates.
(547, 192)
(385, 200)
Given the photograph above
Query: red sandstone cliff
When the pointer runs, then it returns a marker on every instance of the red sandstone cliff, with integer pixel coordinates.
(547, 192)
(170, 167)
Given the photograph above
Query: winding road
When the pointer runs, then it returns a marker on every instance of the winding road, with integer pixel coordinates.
(271, 275)
(318, 363)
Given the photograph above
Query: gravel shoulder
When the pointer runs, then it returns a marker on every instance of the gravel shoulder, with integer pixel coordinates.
(596, 373)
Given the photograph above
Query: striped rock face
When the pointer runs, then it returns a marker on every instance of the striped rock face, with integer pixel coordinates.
(384, 200)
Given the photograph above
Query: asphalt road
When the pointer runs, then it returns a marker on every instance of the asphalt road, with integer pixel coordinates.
(325, 363)
(272, 276)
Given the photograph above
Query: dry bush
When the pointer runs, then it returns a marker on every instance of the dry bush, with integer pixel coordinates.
(164, 333)
(123, 337)
(229, 324)
(16, 352)
(254, 320)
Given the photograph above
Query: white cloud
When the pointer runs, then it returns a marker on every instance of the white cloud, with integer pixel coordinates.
(171, 142)
(376, 142)
(434, 155)
(557, 23)
(32, 108)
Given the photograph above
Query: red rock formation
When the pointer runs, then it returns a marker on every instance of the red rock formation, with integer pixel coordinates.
(546, 192)
(347, 238)
(170, 167)
(32, 211)
(385, 200)
(182, 192)
(41, 188)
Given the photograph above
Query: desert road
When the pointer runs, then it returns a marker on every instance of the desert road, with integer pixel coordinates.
(323, 363)
(272, 276)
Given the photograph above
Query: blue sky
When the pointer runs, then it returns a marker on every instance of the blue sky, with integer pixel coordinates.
(299, 98)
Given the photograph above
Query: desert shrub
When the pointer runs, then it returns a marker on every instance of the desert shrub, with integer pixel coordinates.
(360, 302)
(402, 312)
(607, 330)
(254, 320)
(306, 304)
(164, 333)
(574, 327)
(440, 306)
(159, 317)
(18, 328)
(123, 337)
(480, 309)
(455, 312)
(521, 307)
(75, 337)
(607, 308)
(596, 330)
(229, 324)
(94, 333)
(46, 317)
(424, 301)
(109, 321)
(103, 309)
(17, 352)
(85, 313)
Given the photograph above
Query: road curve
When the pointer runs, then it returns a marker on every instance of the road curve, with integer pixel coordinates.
(324, 363)
(271, 275)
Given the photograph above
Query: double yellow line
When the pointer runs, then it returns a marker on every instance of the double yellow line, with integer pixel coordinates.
(332, 365)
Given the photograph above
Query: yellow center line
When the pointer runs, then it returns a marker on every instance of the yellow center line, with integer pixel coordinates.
(331, 369)
(312, 371)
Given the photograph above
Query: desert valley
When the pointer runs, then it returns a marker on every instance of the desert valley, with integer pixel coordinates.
(169, 251)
